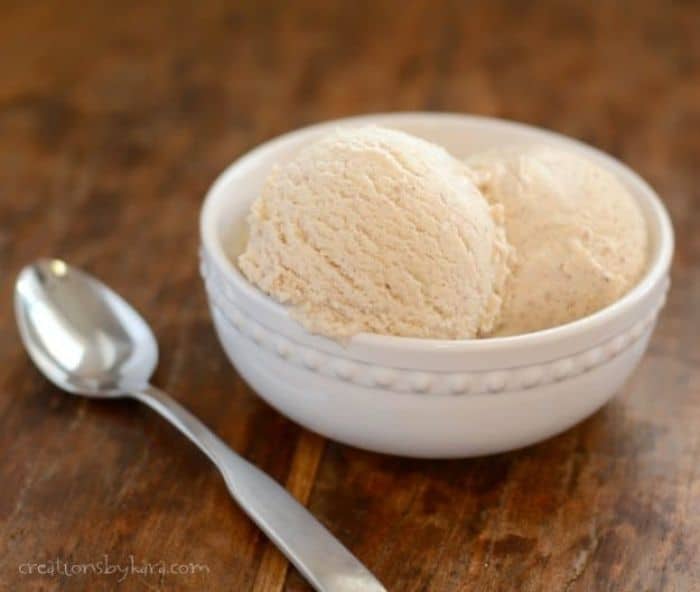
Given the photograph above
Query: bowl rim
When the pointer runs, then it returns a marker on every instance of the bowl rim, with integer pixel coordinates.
(657, 268)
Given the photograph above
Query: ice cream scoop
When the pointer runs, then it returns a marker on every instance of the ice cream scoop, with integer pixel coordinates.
(373, 230)
(579, 237)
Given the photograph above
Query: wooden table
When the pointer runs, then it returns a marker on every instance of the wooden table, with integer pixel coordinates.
(114, 119)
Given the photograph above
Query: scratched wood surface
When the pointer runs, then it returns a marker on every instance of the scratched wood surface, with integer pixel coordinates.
(114, 119)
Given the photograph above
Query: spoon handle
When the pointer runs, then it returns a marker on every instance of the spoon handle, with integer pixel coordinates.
(326, 564)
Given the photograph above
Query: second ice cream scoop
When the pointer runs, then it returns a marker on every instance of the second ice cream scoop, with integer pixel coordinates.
(580, 239)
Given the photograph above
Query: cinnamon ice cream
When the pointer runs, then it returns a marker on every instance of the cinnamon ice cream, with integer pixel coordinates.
(373, 230)
(580, 238)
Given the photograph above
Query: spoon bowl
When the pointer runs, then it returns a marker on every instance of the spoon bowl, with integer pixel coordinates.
(82, 335)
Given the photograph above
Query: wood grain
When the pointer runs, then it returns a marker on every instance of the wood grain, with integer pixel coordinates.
(114, 119)
(272, 571)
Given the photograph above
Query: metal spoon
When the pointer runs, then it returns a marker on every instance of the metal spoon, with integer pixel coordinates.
(88, 341)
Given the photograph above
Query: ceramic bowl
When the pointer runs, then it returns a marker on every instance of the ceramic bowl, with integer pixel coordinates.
(423, 397)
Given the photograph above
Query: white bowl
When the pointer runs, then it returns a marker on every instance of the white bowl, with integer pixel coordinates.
(422, 397)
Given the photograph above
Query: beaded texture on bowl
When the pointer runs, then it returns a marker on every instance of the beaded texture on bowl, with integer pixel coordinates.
(404, 381)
